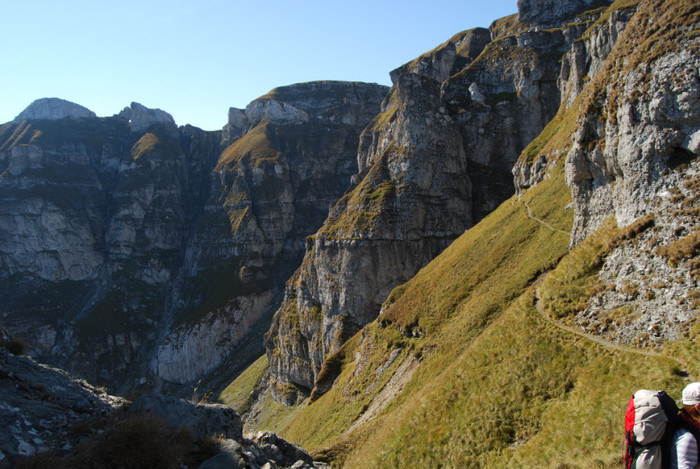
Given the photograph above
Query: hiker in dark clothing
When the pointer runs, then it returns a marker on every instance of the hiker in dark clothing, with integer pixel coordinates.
(684, 451)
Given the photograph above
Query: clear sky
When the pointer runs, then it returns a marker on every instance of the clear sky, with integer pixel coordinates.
(195, 59)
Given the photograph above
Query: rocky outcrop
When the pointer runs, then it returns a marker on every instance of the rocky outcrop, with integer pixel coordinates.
(50, 418)
(154, 246)
(554, 11)
(580, 64)
(54, 109)
(141, 118)
(437, 159)
(649, 103)
(39, 405)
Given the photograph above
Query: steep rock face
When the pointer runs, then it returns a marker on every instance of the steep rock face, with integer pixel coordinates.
(94, 217)
(140, 235)
(632, 157)
(554, 11)
(270, 189)
(587, 56)
(436, 160)
(583, 62)
(190, 350)
(649, 101)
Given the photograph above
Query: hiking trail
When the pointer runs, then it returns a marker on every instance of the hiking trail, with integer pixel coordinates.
(542, 222)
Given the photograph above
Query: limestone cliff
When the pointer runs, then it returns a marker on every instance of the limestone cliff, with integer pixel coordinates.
(554, 11)
(568, 296)
(633, 158)
(437, 159)
(153, 245)
(269, 190)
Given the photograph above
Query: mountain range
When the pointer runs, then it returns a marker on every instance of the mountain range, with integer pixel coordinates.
(472, 268)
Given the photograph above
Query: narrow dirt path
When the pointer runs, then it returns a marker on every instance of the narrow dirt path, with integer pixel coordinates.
(542, 222)
(574, 330)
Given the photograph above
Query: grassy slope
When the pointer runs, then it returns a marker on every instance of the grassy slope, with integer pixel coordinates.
(238, 395)
(499, 383)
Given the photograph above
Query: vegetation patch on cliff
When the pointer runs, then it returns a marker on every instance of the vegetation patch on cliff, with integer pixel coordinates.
(150, 142)
(256, 143)
(360, 211)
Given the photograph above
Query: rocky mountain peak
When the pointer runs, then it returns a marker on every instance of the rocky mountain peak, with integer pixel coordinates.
(329, 101)
(141, 117)
(554, 11)
(54, 109)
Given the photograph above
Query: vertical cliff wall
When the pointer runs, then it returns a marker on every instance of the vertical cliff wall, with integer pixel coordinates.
(134, 251)
(437, 159)
(270, 189)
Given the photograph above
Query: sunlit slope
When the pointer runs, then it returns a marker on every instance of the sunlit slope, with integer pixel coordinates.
(478, 360)
(462, 369)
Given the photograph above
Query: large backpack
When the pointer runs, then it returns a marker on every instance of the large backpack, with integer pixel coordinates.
(650, 423)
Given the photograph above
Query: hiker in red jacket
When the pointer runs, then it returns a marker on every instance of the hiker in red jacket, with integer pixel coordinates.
(684, 451)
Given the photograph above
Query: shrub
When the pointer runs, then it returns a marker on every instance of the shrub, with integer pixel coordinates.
(684, 248)
(144, 441)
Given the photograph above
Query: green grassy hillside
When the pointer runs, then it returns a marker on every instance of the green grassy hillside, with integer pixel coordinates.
(474, 362)
(485, 378)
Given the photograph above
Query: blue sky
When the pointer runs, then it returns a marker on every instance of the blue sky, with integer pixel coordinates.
(195, 59)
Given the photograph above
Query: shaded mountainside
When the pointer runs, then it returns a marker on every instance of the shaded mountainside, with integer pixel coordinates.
(51, 419)
(135, 250)
(520, 344)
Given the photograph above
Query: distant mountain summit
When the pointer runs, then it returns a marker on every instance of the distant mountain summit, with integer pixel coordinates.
(54, 109)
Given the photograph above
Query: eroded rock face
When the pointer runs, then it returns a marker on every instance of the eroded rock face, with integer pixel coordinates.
(154, 246)
(587, 56)
(436, 160)
(191, 350)
(580, 64)
(630, 308)
(554, 11)
(645, 134)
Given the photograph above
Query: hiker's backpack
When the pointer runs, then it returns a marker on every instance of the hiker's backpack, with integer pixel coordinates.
(650, 423)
